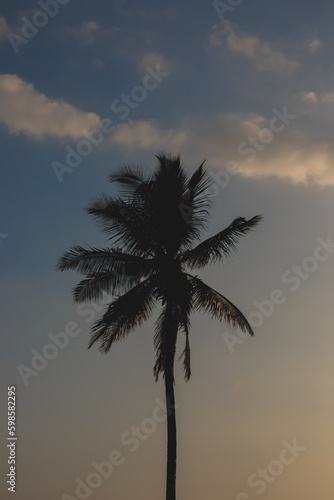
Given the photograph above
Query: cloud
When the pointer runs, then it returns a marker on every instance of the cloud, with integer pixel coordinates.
(24, 110)
(261, 53)
(86, 33)
(298, 158)
(146, 135)
(292, 155)
(319, 97)
(152, 59)
(314, 46)
(328, 98)
(3, 27)
(309, 96)
(89, 31)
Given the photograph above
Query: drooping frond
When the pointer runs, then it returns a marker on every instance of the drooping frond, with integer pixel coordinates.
(178, 304)
(185, 356)
(165, 335)
(209, 300)
(125, 313)
(222, 244)
(94, 260)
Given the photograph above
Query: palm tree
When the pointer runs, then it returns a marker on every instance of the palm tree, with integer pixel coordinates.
(153, 227)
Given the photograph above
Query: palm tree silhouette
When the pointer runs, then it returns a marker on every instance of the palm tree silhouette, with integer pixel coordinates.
(156, 221)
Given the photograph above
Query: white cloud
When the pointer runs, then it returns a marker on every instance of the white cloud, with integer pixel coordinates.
(292, 155)
(153, 59)
(295, 157)
(25, 110)
(3, 27)
(261, 53)
(309, 96)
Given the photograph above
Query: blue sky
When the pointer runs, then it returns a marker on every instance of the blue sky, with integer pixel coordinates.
(251, 91)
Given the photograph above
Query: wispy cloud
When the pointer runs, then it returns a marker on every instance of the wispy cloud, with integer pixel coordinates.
(86, 33)
(309, 97)
(328, 97)
(293, 154)
(318, 97)
(264, 57)
(89, 31)
(146, 135)
(315, 45)
(24, 110)
(153, 59)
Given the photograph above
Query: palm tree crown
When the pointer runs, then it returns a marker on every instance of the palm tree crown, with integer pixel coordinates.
(155, 222)
(154, 227)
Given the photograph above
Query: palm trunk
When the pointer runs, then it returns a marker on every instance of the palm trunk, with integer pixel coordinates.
(171, 435)
(171, 336)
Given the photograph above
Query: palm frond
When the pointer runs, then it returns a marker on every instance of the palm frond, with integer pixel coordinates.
(185, 356)
(165, 335)
(153, 225)
(125, 223)
(125, 313)
(170, 170)
(94, 260)
(222, 244)
(197, 185)
(174, 317)
(172, 196)
(96, 284)
(129, 177)
(195, 204)
(211, 301)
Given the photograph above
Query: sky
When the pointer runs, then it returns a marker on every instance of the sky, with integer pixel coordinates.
(247, 86)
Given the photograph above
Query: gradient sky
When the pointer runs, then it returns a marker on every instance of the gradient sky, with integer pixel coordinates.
(250, 89)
